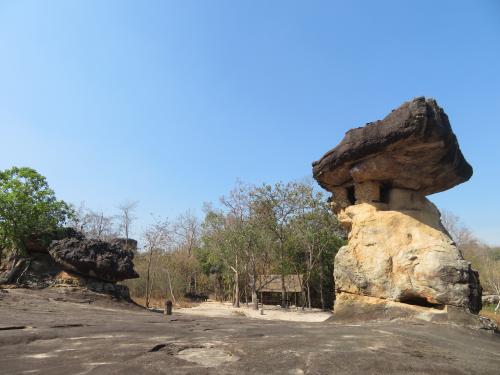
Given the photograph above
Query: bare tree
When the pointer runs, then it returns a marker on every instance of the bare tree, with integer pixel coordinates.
(127, 217)
(238, 204)
(479, 254)
(156, 239)
(457, 230)
(277, 205)
(80, 219)
(491, 275)
(187, 230)
(99, 225)
(93, 224)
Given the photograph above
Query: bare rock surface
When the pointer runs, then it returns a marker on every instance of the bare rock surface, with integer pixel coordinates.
(412, 148)
(404, 255)
(107, 261)
(55, 332)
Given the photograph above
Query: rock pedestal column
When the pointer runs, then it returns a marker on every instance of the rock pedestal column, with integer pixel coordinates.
(399, 251)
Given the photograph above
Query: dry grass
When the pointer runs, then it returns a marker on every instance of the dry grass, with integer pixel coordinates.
(491, 315)
(186, 304)
(239, 313)
(489, 312)
(159, 303)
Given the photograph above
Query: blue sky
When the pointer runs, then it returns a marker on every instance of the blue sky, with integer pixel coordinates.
(168, 103)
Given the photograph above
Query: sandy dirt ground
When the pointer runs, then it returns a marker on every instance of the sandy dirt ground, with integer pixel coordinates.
(218, 309)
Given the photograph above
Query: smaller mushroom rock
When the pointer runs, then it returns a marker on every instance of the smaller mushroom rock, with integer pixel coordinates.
(102, 260)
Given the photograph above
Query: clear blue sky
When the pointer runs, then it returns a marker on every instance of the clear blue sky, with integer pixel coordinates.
(168, 103)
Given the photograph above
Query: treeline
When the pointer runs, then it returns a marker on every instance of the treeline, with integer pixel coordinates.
(282, 229)
(95, 224)
(484, 258)
(254, 232)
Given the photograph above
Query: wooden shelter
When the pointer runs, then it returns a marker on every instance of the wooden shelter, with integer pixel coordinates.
(269, 288)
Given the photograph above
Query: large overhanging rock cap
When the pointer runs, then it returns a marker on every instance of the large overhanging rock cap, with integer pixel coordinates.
(412, 148)
(102, 260)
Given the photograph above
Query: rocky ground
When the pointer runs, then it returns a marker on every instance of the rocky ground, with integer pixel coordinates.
(58, 331)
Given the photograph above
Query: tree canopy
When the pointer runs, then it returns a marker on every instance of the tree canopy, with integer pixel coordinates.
(27, 207)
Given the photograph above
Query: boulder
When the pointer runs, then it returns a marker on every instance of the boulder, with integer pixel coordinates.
(355, 308)
(39, 243)
(65, 279)
(412, 148)
(125, 243)
(106, 261)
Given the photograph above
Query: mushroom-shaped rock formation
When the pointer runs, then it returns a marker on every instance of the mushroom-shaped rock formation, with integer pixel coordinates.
(107, 261)
(398, 250)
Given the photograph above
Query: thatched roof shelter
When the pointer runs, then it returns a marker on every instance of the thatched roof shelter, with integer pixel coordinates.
(272, 283)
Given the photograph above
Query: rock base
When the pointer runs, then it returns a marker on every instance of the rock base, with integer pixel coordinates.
(400, 251)
(65, 279)
(351, 308)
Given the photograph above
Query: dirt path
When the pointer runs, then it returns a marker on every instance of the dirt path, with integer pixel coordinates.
(217, 309)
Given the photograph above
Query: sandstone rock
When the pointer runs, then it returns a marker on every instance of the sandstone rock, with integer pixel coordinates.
(128, 244)
(412, 148)
(97, 259)
(39, 243)
(403, 254)
(398, 250)
(355, 308)
(65, 279)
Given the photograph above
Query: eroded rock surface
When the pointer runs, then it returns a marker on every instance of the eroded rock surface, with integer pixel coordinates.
(107, 261)
(402, 253)
(398, 249)
(412, 148)
(72, 261)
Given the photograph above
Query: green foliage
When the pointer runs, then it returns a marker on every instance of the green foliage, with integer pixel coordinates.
(272, 229)
(286, 228)
(490, 307)
(27, 207)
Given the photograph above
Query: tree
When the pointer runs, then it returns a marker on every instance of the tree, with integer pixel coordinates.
(276, 207)
(186, 235)
(126, 218)
(99, 225)
(491, 275)
(221, 246)
(156, 239)
(482, 257)
(255, 232)
(317, 236)
(457, 231)
(238, 205)
(27, 207)
(93, 224)
(210, 255)
(187, 231)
